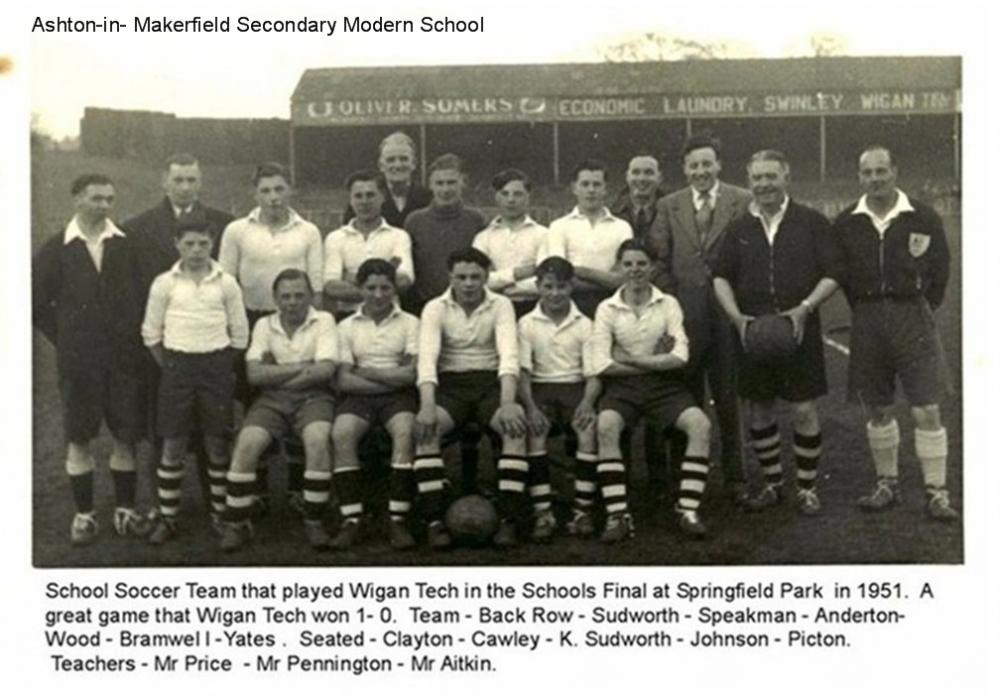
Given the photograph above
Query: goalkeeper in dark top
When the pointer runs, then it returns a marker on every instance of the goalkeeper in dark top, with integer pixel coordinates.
(778, 258)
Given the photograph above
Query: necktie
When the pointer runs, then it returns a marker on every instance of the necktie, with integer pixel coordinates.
(641, 223)
(703, 216)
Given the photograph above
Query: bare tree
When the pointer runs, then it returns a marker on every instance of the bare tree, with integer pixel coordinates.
(827, 45)
(40, 139)
(651, 46)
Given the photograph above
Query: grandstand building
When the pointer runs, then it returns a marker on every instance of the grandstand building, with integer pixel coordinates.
(545, 118)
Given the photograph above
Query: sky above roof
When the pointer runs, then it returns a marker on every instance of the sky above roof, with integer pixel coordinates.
(254, 75)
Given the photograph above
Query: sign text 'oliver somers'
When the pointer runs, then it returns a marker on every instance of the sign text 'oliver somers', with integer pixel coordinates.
(335, 111)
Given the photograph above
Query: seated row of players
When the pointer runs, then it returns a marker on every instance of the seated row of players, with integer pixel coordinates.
(473, 362)
(800, 266)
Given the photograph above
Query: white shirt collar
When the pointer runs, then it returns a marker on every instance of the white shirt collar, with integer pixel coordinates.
(73, 231)
(215, 269)
(352, 228)
(755, 210)
(293, 218)
(178, 211)
(359, 314)
(618, 299)
(574, 314)
(604, 215)
(498, 224)
(902, 205)
(713, 195)
(312, 315)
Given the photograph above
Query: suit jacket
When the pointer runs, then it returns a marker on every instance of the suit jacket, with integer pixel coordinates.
(624, 209)
(92, 318)
(152, 233)
(685, 266)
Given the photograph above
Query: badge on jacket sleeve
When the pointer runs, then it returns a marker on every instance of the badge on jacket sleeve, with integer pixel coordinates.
(919, 242)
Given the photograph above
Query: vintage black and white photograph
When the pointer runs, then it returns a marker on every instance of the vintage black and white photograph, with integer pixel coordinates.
(649, 293)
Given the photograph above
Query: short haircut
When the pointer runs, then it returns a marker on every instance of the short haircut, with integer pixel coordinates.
(194, 222)
(468, 255)
(643, 154)
(504, 177)
(558, 267)
(363, 176)
(702, 139)
(448, 161)
(590, 165)
(85, 180)
(181, 159)
(398, 136)
(270, 169)
(769, 155)
(291, 275)
(875, 147)
(375, 267)
(637, 245)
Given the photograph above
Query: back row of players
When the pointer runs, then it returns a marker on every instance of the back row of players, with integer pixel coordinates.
(621, 317)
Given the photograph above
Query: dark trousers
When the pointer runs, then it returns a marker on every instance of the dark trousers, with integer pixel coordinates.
(713, 365)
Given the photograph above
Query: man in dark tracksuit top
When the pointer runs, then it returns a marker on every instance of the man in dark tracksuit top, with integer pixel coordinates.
(896, 273)
(85, 302)
(152, 233)
(444, 226)
(439, 229)
(779, 258)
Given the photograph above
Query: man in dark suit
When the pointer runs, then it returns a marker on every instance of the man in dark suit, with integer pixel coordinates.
(84, 302)
(637, 203)
(152, 235)
(153, 231)
(397, 160)
(687, 232)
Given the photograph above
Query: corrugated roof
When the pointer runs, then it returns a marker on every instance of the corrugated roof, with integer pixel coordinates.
(568, 79)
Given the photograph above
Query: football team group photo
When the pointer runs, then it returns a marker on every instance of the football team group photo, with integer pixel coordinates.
(673, 357)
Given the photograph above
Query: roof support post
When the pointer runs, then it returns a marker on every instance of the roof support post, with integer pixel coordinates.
(423, 153)
(291, 153)
(822, 148)
(555, 153)
(956, 139)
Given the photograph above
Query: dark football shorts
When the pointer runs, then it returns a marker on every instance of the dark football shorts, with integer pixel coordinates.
(658, 399)
(377, 409)
(279, 412)
(470, 396)
(245, 392)
(798, 378)
(890, 338)
(558, 401)
(196, 389)
(93, 395)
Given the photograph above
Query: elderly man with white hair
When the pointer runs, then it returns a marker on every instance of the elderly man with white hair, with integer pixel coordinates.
(397, 160)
